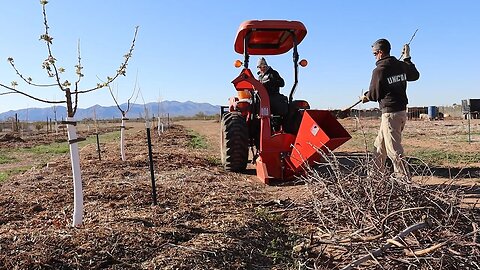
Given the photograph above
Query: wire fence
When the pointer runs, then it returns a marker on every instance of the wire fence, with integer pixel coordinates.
(421, 113)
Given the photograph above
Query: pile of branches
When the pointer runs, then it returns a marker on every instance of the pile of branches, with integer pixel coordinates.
(377, 221)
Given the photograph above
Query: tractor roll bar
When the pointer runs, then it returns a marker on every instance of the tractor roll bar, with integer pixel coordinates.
(295, 56)
(295, 67)
(245, 53)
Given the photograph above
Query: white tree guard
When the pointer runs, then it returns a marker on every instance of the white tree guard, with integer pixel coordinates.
(122, 140)
(77, 175)
(159, 126)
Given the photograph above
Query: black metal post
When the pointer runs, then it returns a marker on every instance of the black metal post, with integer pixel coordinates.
(152, 174)
(469, 116)
(98, 147)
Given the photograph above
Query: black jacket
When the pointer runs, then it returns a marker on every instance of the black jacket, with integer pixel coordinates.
(389, 83)
(272, 81)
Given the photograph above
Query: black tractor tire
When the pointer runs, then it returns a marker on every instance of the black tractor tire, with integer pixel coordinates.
(234, 142)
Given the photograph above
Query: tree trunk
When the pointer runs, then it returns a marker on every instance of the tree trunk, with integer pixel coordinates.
(77, 175)
(160, 126)
(122, 139)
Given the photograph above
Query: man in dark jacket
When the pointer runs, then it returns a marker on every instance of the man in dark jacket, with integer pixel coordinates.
(388, 87)
(269, 77)
(272, 81)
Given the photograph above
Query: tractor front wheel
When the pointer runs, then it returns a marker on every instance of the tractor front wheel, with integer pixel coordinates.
(234, 142)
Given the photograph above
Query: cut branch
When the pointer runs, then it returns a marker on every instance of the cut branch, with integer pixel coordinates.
(437, 246)
(381, 250)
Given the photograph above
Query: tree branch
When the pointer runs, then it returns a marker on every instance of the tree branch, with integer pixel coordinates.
(7, 93)
(13, 90)
(78, 67)
(28, 80)
(120, 71)
(50, 61)
(133, 93)
(115, 100)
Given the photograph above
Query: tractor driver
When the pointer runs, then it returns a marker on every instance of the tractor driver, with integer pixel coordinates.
(272, 81)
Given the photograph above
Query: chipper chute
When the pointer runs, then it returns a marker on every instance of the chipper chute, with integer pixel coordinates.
(282, 145)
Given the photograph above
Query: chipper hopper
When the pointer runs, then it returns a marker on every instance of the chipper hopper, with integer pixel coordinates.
(282, 144)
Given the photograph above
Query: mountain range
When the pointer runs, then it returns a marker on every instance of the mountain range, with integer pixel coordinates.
(172, 108)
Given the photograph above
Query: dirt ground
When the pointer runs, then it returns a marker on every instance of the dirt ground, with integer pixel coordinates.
(201, 220)
(205, 218)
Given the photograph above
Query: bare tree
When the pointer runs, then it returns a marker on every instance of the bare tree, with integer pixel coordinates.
(160, 125)
(124, 116)
(71, 100)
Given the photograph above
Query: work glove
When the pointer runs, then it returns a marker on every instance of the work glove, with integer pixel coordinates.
(364, 98)
(406, 51)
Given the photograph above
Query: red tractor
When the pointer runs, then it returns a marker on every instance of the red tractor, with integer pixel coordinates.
(281, 145)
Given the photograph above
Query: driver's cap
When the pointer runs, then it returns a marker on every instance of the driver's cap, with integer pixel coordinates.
(262, 62)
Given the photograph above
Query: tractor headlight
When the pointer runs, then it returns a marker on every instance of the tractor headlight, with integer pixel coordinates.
(242, 105)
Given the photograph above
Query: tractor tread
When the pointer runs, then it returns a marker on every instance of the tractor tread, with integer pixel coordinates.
(234, 144)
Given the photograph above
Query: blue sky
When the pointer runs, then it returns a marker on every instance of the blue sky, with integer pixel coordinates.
(184, 49)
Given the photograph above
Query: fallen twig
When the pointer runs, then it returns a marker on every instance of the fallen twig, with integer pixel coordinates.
(437, 246)
(379, 251)
(194, 249)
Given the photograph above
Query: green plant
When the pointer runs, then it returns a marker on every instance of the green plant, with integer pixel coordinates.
(39, 125)
(280, 245)
(3, 176)
(214, 161)
(265, 215)
(198, 116)
(441, 157)
(197, 141)
(63, 147)
(6, 159)
(106, 137)
(6, 174)
(53, 148)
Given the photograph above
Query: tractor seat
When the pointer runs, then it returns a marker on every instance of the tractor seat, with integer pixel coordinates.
(296, 105)
(278, 104)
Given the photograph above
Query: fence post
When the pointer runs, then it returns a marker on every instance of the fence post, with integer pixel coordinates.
(152, 173)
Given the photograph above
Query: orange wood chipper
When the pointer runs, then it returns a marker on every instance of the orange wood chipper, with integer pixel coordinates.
(281, 144)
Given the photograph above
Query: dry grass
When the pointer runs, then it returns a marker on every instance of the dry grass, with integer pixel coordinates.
(371, 220)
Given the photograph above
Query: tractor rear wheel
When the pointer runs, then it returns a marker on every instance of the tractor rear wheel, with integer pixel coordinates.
(234, 142)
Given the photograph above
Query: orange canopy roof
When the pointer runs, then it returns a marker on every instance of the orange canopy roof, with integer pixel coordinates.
(269, 37)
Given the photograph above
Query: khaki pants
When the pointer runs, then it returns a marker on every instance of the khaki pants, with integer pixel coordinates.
(389, 143)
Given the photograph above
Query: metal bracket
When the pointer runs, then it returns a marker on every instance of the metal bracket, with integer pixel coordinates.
(76, 140)
(73, 123)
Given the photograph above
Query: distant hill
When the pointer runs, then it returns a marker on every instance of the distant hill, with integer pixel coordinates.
(173, 108)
